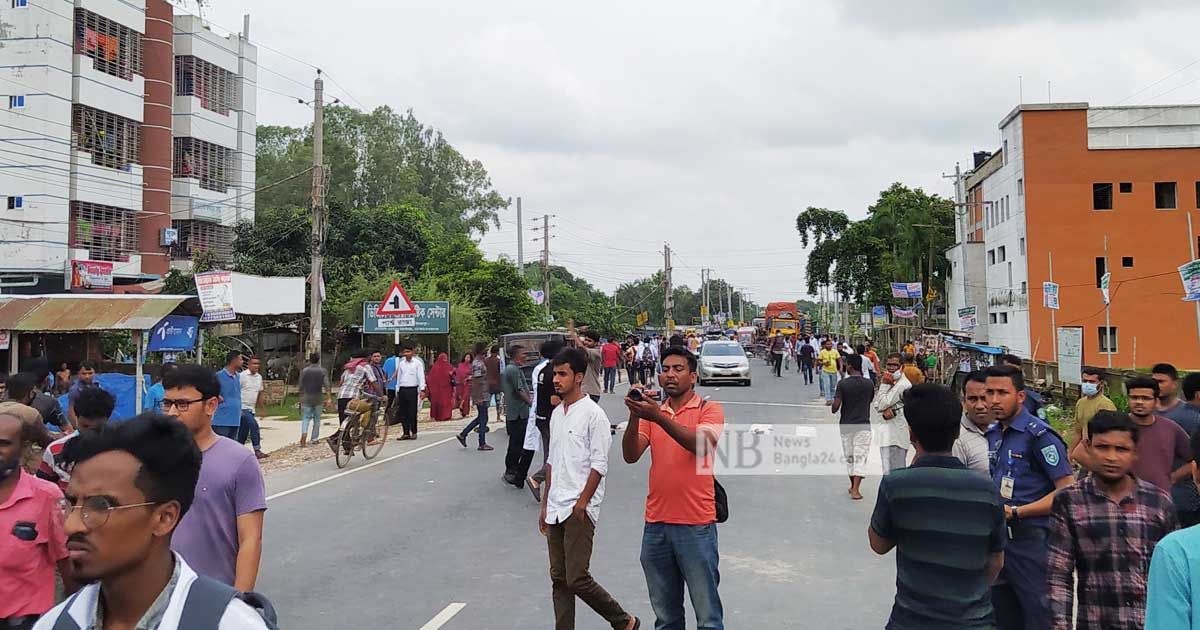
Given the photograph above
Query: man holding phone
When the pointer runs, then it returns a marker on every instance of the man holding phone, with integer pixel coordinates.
(679, 542)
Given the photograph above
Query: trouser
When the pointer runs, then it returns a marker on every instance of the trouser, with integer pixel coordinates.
(631, 372)
(570, 546)
(828, 384)
(1019, 598)
(645, 372)
(806, 368)
(480, 423)
(391, 394)
(249, 428)
(342, 402)
(230, 432)
(787, 361)
(856, 443)
(777, 363)
(894, 458)
(19, 623)
(516, 459)
(497, 398)
(678, 555)
(543, 426)
(610, 379)
(406, 407)
(310, 414)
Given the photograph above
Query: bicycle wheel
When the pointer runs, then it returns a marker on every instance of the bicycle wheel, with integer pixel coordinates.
(346, 441)
(374, 436)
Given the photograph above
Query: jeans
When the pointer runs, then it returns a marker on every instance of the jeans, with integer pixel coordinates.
(310, 414)
(480, 423)
(806, 368)
(610, 379)
(249, 428)
(829, 382)
(777, 363)
(229, 432)
(675, 555)
(633, 374)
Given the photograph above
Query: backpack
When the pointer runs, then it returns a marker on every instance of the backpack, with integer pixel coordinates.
(203, 608)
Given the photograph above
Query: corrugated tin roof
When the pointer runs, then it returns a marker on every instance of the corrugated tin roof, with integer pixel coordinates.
(79, 313)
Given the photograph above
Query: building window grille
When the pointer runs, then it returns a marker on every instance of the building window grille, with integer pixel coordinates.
(211, 164)
(197, 236)
(114, 48)
(107, 232)
(216, 87)
(113, 141)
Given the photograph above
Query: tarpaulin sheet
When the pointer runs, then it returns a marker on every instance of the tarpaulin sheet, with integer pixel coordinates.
(121, 386)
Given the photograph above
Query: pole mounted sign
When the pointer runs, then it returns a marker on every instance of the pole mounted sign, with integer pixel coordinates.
(428, 318)
(396, 302)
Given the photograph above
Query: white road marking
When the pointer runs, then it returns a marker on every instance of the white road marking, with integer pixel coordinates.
(771, 404)
(441, 618)
(358, 470)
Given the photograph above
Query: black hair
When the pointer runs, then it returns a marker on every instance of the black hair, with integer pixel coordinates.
(855, 361)
(314, 358)
(573, 357)
(1166, 369)
(495, 349)
(361, 353)
(169, 457)
(1007, 371)
(39, 367)
(166, 369)
(551, 348)
(591, 335)
(1191, 385)
(204, 380)
(1093, 371)
(1009, 359)
(514, 351)
(231, 355)
(480, 348)
(87, 365)
(94, 402)
(1105, 421)
(894, 355)
(933, 413)
(978, 376)
(679, 351)
(405, 347)
(4, 378)
(675, 340)
(21, 384)
(1142, 382)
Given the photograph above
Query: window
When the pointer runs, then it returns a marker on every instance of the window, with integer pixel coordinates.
(114, 48)
(1127, 187)
(1164, 195)
(1003, 318)
(991, 256)
(1000, 254)
(1006, 213)
(1021, 187)
(202, 236)
(1198, 194)
(216, 87)
(1024, 288)
(1101, 269)
(107, 232)
(1102, 196)
(16, 101)
(992, 318)
(1021, 247)
(1005, 149)
(15, 203)
(112, 140)
(1127, 261)
(211, 164)
(1108, 339)
(1010, 274)
(17, 4)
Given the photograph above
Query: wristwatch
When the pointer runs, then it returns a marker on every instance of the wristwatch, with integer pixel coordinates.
(1015, 515)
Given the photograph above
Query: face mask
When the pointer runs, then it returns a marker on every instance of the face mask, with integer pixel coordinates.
(1090, 389)
(8, 468)
(897, 374)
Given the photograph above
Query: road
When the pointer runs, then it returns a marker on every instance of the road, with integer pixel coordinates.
(431, 536)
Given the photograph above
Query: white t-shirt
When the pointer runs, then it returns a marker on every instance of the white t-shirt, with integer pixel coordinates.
(251, 384)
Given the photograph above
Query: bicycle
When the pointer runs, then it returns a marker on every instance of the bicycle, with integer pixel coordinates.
(361, 430)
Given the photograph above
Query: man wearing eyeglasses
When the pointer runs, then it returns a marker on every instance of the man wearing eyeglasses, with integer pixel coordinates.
(32, 541)
(221, 535)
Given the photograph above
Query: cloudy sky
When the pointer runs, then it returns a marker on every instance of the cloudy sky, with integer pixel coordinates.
(708, 125)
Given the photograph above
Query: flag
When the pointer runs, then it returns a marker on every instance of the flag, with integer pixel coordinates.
(1104, 280)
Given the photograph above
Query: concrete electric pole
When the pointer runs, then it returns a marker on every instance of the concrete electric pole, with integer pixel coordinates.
(318, 216)
(546, 263)
(668, 292)
(520, 240)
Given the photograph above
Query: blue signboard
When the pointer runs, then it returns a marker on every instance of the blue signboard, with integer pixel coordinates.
(431, 318)
(175, 333)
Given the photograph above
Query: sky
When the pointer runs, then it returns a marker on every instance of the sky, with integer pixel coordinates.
(710, 125)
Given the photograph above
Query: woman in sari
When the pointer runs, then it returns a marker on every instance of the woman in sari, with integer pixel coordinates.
(441, 388)
(462, 388)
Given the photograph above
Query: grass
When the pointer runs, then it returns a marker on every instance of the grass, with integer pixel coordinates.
(289, 408)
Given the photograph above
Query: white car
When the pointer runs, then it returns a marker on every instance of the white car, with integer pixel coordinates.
(723, 360)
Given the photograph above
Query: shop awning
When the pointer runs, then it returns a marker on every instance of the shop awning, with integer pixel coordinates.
(978, 347)
(85, 313)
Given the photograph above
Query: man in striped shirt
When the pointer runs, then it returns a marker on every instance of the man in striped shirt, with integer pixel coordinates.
(941, 581)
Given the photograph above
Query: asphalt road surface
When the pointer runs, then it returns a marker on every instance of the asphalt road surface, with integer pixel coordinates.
(428, 537)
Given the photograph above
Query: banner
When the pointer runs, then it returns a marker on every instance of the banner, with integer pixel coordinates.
(903, 313)
(1050, 295)
(538, 297)
(175, 333)
(967, 318)
(1189, 273)
(431, 318)
(907, 290)
(1104, 280)
(5, 339)
(216, 295)
(1070, 354)
(879, 316)
(90, 275)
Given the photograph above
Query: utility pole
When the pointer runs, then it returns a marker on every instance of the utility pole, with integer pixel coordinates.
(741, 307)
(520, 240)
(668, 295)
(1107, 299)
(318, 216)
(546, 263)
(706, 275)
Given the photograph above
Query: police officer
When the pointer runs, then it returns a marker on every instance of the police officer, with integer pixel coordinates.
(1029, 464)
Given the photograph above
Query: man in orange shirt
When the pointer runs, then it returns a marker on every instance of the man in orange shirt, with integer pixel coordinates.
(679, 543)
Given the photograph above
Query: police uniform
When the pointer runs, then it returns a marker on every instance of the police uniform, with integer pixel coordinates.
(1025, 460)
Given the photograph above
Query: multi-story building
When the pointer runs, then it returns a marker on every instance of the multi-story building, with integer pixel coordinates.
(127, 136)
(1072, 193)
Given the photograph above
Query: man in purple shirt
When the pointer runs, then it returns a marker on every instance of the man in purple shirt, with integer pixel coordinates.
(221, 535)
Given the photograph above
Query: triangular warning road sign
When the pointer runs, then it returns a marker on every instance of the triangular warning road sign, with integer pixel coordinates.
(396, 302)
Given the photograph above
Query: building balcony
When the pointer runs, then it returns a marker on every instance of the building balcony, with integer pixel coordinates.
(193, 120)
(103, 91)
(92, 183)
